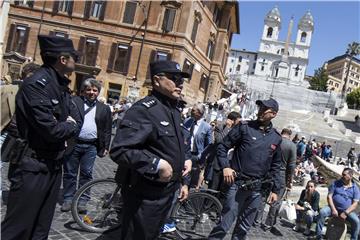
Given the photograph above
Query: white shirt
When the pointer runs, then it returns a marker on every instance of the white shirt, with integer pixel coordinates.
(196, 128)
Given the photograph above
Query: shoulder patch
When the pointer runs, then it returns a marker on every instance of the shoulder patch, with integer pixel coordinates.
(43, 82)
(149, 103)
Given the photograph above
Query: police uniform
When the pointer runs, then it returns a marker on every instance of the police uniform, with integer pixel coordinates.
(257, 155)
(43, 104)
(151, 130)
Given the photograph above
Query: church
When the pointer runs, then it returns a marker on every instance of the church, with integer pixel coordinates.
(284, 61)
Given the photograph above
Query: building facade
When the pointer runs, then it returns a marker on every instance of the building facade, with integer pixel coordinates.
(337, 69)
(118, 39)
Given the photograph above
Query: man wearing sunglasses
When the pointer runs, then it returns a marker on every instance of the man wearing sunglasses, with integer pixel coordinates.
(256, 157)
(149, 148)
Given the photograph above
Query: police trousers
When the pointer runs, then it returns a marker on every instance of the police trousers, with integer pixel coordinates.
(32, 200)
(240, 204)
(143, 215)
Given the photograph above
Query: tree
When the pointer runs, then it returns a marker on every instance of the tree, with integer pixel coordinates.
(353, 99)
(352, 50)
(319, 81)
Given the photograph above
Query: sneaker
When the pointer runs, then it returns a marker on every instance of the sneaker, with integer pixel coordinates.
(66, 207)
(168, 227)
(307, 232)
(297, 227)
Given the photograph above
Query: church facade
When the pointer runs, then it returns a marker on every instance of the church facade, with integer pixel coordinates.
(281, 60)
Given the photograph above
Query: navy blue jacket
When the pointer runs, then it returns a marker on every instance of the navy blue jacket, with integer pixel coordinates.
(151, 130)
(43, 104)
(257, 152)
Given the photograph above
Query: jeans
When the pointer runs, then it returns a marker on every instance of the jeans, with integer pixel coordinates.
(352, 218)
(84, 156)
(241, 204)
(301, 214)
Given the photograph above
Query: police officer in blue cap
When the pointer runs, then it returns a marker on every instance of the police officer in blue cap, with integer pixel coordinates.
(149, 148)
(257, 156)
(46, 118)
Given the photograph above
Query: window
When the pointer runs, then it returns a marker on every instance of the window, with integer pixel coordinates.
(59, 34)
(232, 60)
(210, 50)
(356, 84)
(262, 68)
(129, 14)
(18, 38)
(336, 85)
(269, 32)
(351, 81)
(255, 57)
(240, 58)
(119, 58)
(194, 30)
(89, 48)
(238, 67)
(230, 70)
(204, 82)
(95, 9)
(160, 56)
(254, 65)
(303, 37)
(188, 67)
(24, 3)
(217, 15)
(65, 6)
(169, 18)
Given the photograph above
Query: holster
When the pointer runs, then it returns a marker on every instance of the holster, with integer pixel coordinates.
(18, 151)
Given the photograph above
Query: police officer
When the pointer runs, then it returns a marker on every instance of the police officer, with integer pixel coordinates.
(43, 108)
(257, 155)
(149, 149)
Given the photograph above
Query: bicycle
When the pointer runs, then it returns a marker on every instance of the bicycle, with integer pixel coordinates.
(103, 205)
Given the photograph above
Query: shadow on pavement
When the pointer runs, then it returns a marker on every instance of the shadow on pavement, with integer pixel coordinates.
(350, 125)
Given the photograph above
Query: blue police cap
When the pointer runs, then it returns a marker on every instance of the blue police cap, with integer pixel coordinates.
(270, 103)
(56, 44)
(167, 67)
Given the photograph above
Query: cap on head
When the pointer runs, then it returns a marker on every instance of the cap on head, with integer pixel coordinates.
(270, 103)
(167, 67)
(56, 44)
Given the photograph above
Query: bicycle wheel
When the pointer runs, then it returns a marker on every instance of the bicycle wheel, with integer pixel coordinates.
(97, 205)
(197, 216)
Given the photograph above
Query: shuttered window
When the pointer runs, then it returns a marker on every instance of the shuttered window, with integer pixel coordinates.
(18, 38)
(210, 50)
(129, 14)
(119, 58)
(59, 34)
(188, 67)
(169, 18)
(204, 82)
(194, 30)
(89, 49)
(95, 9)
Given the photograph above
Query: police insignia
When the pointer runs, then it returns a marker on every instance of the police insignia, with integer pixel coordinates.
(149, 103)
(164, 123)
(42, 82)
(54, 101)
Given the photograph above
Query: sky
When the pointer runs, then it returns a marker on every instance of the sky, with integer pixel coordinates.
(336, 24)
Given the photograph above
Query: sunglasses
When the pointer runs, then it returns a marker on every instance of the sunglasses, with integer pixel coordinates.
(176, 78)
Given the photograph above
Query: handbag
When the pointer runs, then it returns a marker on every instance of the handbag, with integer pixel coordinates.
(287, 209)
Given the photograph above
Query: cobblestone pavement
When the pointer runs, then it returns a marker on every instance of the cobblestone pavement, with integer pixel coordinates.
(64, 227)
